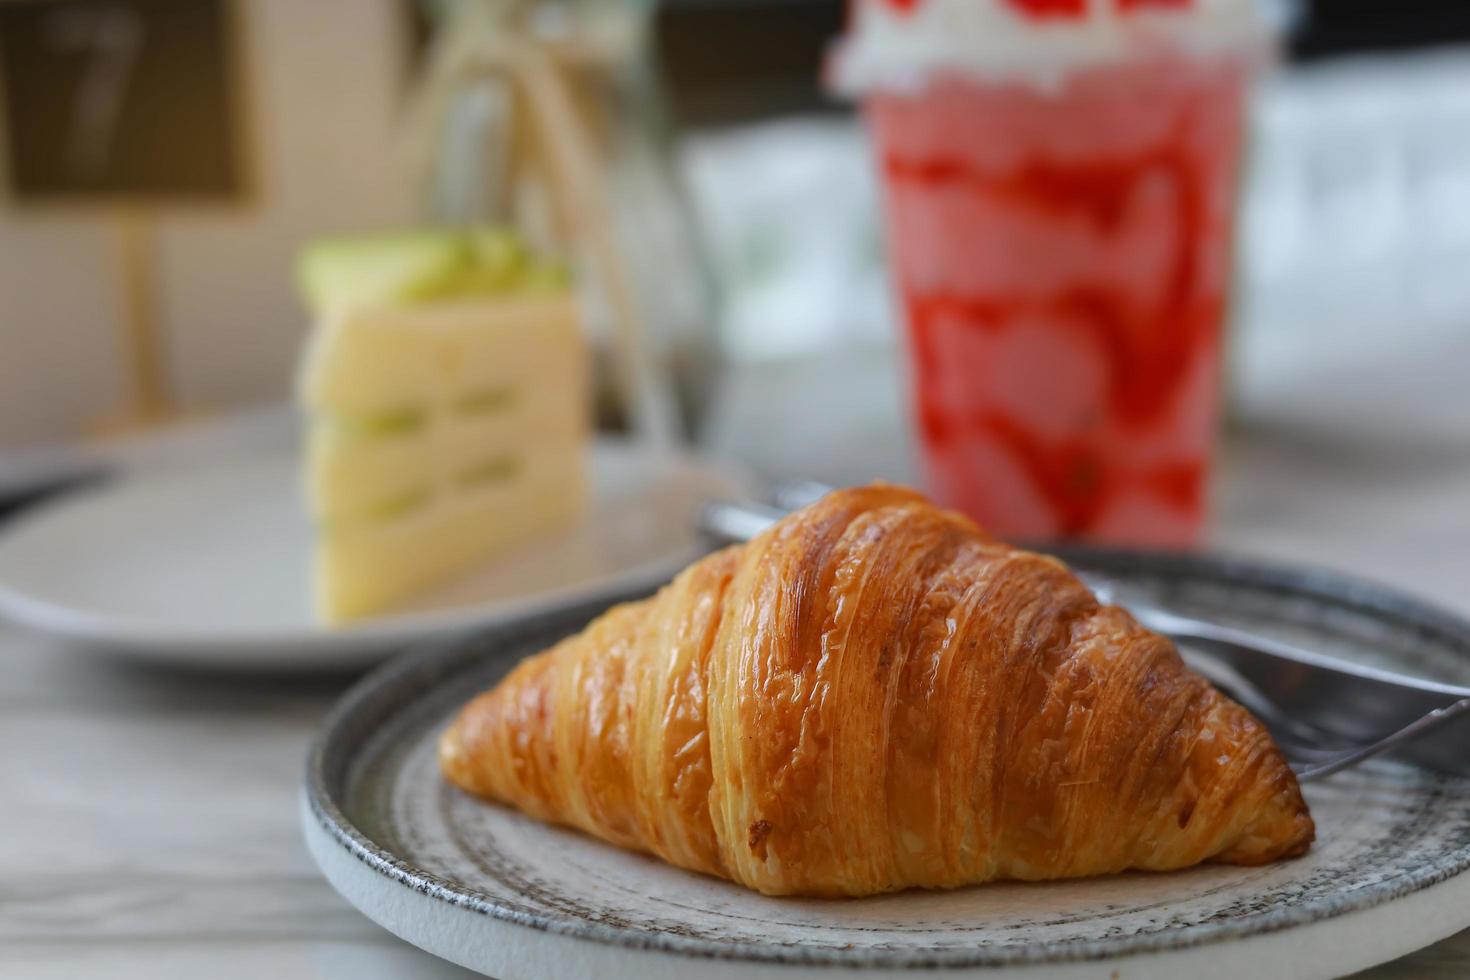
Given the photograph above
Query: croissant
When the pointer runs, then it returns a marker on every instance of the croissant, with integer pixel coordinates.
(875, 695)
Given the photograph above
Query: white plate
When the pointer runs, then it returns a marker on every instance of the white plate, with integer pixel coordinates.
(499, 892)
(211, 568)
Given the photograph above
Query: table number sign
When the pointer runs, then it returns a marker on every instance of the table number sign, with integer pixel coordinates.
(131, 108)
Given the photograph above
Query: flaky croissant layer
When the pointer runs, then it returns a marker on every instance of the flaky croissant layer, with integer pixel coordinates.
(874, 695)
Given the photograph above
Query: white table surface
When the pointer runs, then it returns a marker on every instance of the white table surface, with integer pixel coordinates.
(149, 817)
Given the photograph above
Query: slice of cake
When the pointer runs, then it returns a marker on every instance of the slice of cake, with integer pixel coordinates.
(446, 390)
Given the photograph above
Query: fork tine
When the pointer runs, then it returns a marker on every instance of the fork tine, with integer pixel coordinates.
(1414, 729)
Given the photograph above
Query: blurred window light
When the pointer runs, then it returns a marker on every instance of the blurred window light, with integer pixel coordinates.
(788, 208)
(1358, 207)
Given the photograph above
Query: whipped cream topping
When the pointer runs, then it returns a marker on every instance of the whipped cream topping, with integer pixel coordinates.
(900, 43)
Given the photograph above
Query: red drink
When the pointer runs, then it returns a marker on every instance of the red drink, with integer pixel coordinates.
(1063, 257)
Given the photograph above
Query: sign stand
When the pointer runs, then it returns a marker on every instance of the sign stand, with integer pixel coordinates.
(124, 109)
(148, 393)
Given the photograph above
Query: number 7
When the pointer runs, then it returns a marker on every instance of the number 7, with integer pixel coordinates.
(110, 37)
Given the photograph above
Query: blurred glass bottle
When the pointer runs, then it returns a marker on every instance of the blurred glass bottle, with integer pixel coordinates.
(549, 116)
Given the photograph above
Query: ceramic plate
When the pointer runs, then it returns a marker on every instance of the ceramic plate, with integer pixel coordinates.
(211, 568)
(503, 894)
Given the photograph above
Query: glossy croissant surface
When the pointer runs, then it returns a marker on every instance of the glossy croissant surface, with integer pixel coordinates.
(874, 695)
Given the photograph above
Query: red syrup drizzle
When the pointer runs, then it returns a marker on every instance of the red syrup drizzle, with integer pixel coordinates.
(1148, 355)
(1040, 9)
(1050, 8)
(1131, 5)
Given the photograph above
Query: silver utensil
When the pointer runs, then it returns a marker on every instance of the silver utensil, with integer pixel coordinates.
(1322, 711)
(1325, 714)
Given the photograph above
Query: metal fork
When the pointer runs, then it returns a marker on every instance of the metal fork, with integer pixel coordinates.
(1316, 754)
(1351, 706)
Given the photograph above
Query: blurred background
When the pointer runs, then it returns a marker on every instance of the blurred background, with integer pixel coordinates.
(164, 160)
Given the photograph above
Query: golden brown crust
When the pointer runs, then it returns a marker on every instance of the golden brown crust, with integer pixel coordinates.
(875, 695)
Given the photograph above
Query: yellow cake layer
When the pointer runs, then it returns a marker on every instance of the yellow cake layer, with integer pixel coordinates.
(438, 434)
(364, 569)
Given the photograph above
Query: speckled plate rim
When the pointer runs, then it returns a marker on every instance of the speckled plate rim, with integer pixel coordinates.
(1352, 932)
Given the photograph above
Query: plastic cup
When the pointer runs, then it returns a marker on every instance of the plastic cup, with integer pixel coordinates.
(1062, 255)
